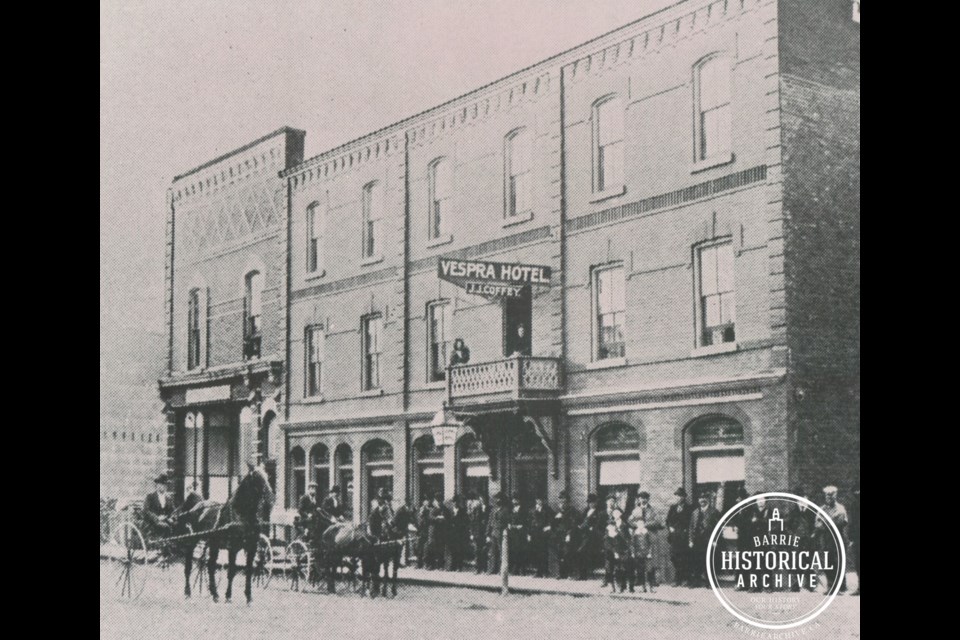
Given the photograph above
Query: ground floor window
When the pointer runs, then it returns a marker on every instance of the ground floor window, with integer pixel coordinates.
(428, 466)
(617, 463)
(529, 465)
(474, 467)
(320, 468)
(378, 463)
(298, 474)
(716, 450)
(344, 461)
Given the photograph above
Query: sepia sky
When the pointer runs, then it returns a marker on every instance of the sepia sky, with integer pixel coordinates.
(184, 81)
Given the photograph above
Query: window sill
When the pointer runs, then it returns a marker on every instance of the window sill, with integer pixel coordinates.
(606, 363)
(371, 393)
(366, 262)
(315, 275)
(518, 219)
(711, 162)
(436, 384)
(606, 194)
(714, 349)
(439, 241)
(312, 400)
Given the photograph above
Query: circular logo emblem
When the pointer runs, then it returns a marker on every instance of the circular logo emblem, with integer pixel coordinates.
(776, 560)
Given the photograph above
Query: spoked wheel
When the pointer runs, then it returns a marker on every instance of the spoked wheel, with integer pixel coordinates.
(201, 564)
(129, 561)
(263, 562)
(299, 566)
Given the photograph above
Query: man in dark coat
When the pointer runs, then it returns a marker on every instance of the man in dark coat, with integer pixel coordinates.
(158, 508)
(458, 532)
(616, 552)
(478, 514)
(437, 533)
(540, 523)
(423, 532)
(565, 536)
(496, 525)
(333, 504)
(307, 509)
(519, 538)
(702, 522)
(590, 530)
(800, 523)
(678, 536)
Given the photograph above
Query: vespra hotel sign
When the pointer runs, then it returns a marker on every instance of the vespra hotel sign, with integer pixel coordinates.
(493, 279)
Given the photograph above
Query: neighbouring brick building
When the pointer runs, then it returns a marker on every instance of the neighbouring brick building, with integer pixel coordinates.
(691, 184)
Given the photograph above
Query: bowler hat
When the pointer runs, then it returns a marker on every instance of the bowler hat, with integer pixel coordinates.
(680, 492)
(163, 478)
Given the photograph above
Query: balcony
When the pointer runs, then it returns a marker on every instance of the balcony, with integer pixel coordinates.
(511, 383)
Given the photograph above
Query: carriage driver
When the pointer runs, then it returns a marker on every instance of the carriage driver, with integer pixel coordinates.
(158, 508)
(307, 509)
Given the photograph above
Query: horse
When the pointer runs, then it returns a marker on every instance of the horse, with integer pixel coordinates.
(335, 540)
(235, 525)
(389, 548)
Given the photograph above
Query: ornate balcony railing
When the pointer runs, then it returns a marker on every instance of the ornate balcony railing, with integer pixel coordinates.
(515, 378)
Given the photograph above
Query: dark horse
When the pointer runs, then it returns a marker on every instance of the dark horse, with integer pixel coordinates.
(389, 548)
(235, 525)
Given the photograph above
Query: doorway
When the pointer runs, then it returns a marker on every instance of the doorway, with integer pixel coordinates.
(517, 324)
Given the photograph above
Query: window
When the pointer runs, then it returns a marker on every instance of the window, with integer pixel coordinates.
(715, 446)
(519, 161)
(372, 220)
(716, 294)
(713, 84)
(610, 304)
(439, 323)
(193, 329)
(253, 310)
(608, 133)
(315, 222)
(372, 329)
(314, 345)
(617, 463)
(320, 464)
(441, 186)
(298, 475)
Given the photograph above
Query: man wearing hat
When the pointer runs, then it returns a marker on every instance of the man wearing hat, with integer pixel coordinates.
(307, 509)
(496, 524)
(158, 508)
(333, 504)
(702, 523)
(678, 527)
(381, 513)
(838, 513)
(565, 535)
(591, 530)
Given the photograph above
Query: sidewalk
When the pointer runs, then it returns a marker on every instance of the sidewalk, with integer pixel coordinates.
(530, 585)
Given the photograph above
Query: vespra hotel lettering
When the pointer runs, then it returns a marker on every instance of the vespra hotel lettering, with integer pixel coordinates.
(501, 272)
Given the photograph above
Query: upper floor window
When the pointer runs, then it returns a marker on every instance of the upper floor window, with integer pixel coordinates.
(439, 323)
(856, 11)
(315, 222)
(253, 314)
(194, 313)
(713, 85)
(441, 187)
(716, 301)
(519, 165)
(372, 327)
(610, 304)
(372, 220)
(314, 347)
(608, 133)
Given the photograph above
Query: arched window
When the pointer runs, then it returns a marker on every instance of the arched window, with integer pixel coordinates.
(315, 229)
(716, 448)
(378, 468)
(519, 174)
(441, 188)
(712, 86)
(373, 220)
(320, 467)
(428, 463)
(617, 459)
(298, 474)
(253, 314)
(344, 475)
(608, 136)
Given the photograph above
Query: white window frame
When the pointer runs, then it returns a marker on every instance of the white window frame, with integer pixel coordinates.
(316, 221)
(602, 185)
(367, 383)
(309, 349)
(440, 197)
(701, 327)
(201, 328)
(511, 213)
(703, 157)
(595, 311)
(447, 308)
(373, 215)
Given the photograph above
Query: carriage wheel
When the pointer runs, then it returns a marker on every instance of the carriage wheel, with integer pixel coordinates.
(263, 565)
(298, 568)
(201, 562)
(129, 561)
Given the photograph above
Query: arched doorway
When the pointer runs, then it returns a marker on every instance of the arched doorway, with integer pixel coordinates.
(344, 475)
(378, 469)
(617, 462)
(715, 448)
(428, 468)
(298, 474)
(530, 464)
(473, 466)
(320, 468)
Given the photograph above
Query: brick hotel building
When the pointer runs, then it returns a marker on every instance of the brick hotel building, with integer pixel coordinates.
(691, 183)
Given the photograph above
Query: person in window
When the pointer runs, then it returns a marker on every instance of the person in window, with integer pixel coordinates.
(461, 354)
(158, 508)
(519, 342)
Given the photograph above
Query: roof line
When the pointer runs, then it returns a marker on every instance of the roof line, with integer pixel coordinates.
(399, 123)
(249, 145)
